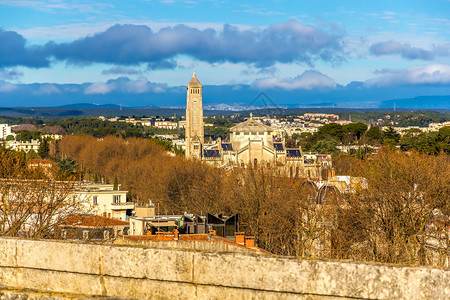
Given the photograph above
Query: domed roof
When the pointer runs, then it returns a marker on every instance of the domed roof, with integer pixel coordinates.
(251, 126)
(194, 82)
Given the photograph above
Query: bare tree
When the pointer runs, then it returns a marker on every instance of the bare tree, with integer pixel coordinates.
(33, 208)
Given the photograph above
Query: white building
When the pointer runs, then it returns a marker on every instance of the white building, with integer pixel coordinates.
(437, 126)
(102, 199)
(5, 130)
(25, 146)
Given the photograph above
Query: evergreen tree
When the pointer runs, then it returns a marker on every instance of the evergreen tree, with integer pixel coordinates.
(44, 148)
(116, 183)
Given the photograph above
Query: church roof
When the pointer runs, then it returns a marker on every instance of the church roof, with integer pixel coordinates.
(227, 147)
(194, 81)
(278, 146)
(211, 153)
(251, 126)
(293, 153)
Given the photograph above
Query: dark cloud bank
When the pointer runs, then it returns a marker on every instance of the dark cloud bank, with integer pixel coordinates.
(405, 50)
(128, 45)
(132, 44)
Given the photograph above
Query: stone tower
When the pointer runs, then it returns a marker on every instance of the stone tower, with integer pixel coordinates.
(194, 119)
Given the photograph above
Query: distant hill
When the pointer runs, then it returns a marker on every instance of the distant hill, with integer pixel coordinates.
(436, 103)
(422, 102)
(92, 105)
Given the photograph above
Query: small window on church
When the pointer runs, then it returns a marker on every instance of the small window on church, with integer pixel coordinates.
(196, 147)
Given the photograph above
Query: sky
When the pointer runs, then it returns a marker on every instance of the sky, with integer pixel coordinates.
(343, 53)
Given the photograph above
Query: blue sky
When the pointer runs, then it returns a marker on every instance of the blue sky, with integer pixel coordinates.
(300, 52)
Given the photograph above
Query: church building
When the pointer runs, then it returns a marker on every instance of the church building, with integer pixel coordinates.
(250, 142)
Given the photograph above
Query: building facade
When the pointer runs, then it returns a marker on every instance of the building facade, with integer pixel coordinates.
(5, 130)
(103, 200)
(250, 142)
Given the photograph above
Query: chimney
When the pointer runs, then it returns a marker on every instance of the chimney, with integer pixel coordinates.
(250, 241)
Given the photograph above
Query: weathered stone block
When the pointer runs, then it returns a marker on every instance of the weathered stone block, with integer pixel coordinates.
(59, 256)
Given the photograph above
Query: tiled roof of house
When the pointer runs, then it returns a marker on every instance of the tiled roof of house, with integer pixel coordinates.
(92, 221)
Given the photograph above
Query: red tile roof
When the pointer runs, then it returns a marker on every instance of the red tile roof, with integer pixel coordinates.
(92, 221)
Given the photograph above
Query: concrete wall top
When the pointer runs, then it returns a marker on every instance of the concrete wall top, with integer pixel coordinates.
(212, 271)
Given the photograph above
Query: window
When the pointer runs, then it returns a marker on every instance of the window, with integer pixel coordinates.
(85, 234)
(95, 200)
(116, 199)
(196, 147)
(106, 234)
(64, 234)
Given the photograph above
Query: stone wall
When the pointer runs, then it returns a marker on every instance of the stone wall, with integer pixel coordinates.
(210, 246)
(152, 273)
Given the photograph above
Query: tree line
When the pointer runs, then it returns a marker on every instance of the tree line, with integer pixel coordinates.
(402, 212)
(329, 136)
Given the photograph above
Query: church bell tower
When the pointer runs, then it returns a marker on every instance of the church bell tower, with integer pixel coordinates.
(194, 119)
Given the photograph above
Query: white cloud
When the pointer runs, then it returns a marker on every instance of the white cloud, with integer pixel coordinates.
(124, 85)
(414, 75)
(47, 89)
(98, 88)
(309, 80)
(10, 74)
(6, 87)
(56, 5)
(141, 85)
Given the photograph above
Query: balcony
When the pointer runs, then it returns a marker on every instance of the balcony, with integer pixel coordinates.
(122, 205)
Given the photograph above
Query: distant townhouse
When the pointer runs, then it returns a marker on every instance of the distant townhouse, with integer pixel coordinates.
(437, 126)
(317, 116)
(166, 124)
(52, 136)
(142, 122)
(25, 146)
